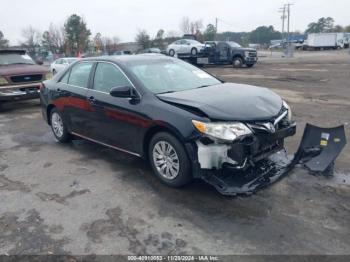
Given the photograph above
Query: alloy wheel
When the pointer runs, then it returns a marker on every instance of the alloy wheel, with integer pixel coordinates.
(166, 160)
(57, 124)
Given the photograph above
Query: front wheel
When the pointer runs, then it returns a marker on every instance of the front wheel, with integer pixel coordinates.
(171, 52)
(250, 65)
(237, 62)
(194, 51)
(58, 126)
(169, 160)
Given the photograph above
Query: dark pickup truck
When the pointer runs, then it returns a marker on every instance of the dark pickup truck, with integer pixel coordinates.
(20, 76)
(226, 52)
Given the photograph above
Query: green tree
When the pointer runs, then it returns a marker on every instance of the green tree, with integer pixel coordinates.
(324, 24)
(264, 34)
(143, 39)
(77, 34)
(3, 41)
(209, 33)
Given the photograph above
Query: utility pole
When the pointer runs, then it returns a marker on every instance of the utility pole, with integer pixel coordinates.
(283, 17)
(216, 27)
(288, 10)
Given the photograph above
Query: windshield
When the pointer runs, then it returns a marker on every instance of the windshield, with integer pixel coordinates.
(11, 59)
(71, 60)
(163, 76)
(234, 44)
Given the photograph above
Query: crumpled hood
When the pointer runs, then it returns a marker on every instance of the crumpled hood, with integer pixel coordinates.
(21, 69)
(229, 101)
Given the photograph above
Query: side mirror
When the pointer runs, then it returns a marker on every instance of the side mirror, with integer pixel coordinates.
(123, 91)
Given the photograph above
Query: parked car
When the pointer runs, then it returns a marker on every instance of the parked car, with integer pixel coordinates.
(227, 52)
(185, 47)
(20, 76)
(61, 63)
(122, 53)
(180, 118)
(150, 50)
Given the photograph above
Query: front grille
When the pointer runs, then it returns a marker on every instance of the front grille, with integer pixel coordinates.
(26, 78)
(252, 54)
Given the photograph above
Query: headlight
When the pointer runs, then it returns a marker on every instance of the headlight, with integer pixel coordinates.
(224, 131)
(246, 53)
(3, 81)
(48, 76)
(289, 111)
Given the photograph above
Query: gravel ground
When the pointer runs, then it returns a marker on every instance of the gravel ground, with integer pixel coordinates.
(82, 198)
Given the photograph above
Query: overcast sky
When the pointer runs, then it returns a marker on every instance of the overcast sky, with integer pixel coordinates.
(123, 18)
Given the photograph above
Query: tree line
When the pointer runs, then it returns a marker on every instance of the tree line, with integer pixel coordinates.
(74, 36)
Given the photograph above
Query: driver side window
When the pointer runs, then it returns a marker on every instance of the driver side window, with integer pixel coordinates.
(108, 76)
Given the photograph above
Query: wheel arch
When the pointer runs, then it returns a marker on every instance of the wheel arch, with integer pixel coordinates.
(157, 129)
(48, 112)
(237, 55)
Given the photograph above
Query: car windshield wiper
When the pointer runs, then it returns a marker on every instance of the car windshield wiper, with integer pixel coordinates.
(203, 86)
(166, 92)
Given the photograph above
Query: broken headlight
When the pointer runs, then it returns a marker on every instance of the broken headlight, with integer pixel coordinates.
(285, 105)
(224, 131)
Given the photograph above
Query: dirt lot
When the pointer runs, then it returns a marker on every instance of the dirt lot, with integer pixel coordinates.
(82, 198)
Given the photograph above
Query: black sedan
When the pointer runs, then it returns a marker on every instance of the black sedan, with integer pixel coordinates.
(182, 119)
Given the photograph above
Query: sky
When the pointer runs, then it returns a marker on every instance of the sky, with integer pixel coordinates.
(123, 18)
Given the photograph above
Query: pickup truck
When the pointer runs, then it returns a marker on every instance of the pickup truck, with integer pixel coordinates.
(227, 52)
(20, 76)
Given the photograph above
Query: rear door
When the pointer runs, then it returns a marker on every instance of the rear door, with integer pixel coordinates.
(77, 107)
(115, 120)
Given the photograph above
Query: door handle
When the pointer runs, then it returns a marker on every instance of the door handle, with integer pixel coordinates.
(91, 99)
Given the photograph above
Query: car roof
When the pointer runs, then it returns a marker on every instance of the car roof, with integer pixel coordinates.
(130, 58)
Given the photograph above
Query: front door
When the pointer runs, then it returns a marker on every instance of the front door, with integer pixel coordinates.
(116, 121)
(223, 52)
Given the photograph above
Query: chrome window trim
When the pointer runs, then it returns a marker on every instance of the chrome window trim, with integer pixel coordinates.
(121, 70)
(101, 61)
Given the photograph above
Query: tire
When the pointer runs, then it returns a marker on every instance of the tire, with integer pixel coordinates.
(159, 144)
(60, 132)
(250, 65)
(237, 62)
(194, 51)
(171, 52)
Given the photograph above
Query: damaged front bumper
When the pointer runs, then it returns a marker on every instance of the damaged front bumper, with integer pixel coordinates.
(260, 160)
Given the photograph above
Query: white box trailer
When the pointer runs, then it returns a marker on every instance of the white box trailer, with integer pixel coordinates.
(325, 41)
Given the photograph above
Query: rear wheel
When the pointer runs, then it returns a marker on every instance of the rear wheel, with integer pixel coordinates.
(169, 160)
(171, 52)
(58, 126)
(237, 62)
